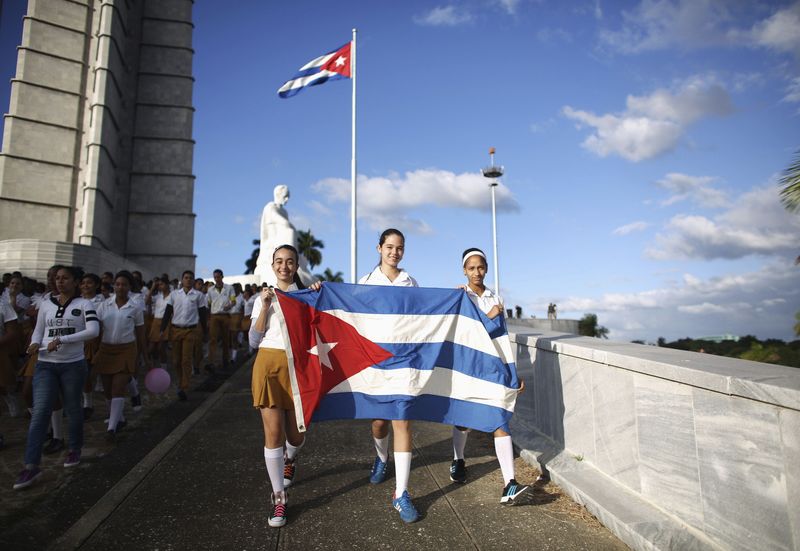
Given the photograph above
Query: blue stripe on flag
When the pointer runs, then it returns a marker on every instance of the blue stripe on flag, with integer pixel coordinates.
(427, 356)
(437, 409)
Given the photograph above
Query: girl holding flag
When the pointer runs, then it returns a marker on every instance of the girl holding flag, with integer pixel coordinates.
(391, 247)
(473, 261)
(271, 386)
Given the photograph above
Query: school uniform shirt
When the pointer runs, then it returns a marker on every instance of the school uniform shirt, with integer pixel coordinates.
(159, 305)
(7, 314)
(22, 301)
(248, 305)
(219, 298)
(377, 277)
(74, 322)
(186, 307)
(138, 300)
(485, 301)
(119, 322)
(237, 307)
(273, 336)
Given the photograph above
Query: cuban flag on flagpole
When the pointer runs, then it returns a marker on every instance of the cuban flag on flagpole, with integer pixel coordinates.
(331, 66)
(375, 352)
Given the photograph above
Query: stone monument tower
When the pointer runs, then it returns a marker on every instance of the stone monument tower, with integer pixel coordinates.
(96, 166)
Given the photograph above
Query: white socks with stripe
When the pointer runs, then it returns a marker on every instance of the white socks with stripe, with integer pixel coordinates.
(459, 442)
(273, 457)
(115, 412)
(504, 448)
(291, 451)
(88, 400)
(55, 422)
(402, 471)
(382, 447)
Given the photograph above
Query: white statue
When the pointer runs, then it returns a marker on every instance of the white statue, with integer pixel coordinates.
(276, 230)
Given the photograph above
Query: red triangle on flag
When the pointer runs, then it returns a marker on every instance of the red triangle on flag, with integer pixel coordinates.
(324, 351)
(339, 61)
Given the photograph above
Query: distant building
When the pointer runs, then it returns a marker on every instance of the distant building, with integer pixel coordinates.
(96, 166)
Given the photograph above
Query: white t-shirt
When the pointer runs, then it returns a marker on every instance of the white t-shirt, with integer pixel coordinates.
(238, 306)
(186, 306)
(7, 314)
(74, 322)
(159, 305)
(273, 336)
(248, 305)
(219, 299)
(119, 324)
(377, 277)
(485, 301)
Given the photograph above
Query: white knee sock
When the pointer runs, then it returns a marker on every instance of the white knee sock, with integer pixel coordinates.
(504, 449)
(133, 387)
(88, 400)
(402, 471)
(459, 442)
(273, 457)
(55, 422)
(382, 447)
(115, 414)
(291, 451)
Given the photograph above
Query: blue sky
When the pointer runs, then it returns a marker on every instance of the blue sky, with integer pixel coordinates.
(642, 143)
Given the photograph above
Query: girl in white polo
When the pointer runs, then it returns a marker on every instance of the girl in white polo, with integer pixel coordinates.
(391, 247)
(473, 261)
(123, 341)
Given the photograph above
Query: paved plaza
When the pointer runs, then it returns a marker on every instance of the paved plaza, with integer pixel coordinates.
(191, 475)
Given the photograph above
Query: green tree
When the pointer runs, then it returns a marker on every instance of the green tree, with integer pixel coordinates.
(589, 327)
(328, 275)
(250, 263)
(309, 246)
(790, 194)
(797, 325)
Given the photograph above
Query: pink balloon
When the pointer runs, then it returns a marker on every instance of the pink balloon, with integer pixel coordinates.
(157, 380)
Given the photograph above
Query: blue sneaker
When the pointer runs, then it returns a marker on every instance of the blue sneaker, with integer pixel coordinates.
(379, 469)
(406, 509)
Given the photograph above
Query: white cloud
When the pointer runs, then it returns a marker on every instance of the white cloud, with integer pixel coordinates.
(780, 31)
(630, 228)
(447, 16)
(699, 307)
(510, 6)
(691, 24)
(696, 188)
(793, 91)
(756, 224)
(389, 201)
(661, 24)
(239, 219)
(652, 125)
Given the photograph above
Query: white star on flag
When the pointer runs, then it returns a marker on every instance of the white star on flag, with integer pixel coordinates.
(321, 350)
(340, 61)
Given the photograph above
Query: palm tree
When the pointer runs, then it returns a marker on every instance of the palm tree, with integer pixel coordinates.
(328, 275)
(250, 263)
(790, 194)
(309, 246)
(588, 327)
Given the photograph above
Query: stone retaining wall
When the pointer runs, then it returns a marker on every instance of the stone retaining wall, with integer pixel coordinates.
(669, 449)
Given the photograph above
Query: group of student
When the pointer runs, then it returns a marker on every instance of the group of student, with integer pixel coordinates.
(272, 395)
(59, 340)
(84, 326)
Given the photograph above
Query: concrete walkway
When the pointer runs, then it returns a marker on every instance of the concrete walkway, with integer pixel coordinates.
(204, 486)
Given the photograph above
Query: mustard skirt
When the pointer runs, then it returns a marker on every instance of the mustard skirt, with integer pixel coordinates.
(270, 383)
(29, 366)
(90, 349)
(115, 358)
(236, 322)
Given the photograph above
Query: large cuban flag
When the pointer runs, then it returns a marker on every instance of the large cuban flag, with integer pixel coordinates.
(379, 352)
(332, 66)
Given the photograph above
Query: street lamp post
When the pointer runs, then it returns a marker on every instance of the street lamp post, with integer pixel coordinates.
(493, 172)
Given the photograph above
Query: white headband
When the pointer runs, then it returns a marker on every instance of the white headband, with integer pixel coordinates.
(472, 253)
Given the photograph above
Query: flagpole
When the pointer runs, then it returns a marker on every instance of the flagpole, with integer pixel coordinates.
(353, 240)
